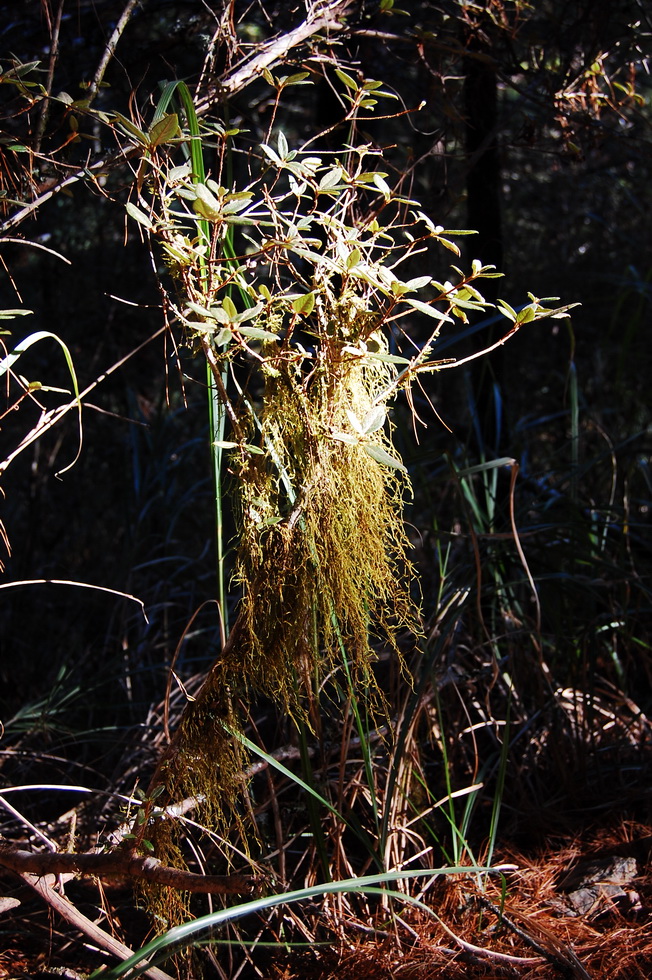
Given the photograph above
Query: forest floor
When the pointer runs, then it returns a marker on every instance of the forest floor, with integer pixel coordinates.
(579, 905)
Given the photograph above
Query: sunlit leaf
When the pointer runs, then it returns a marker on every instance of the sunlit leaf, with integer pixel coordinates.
(526, 315)
(257, 333)
(330, 179)
(272, 154)
(428, 310)
(348, 81)
(129, 128)
(10, 314)
(225, 444)
(237, 202)
(382, 456)
(138, 215)
(374, 419)
(201, 310)
(164, 130)
(250, 313)
(507, 310)
(418, 283)
(229, 307)
(304, 304)
(353, 258)
(382, 185)
(355, 421)
(298, 79)
(206, 204)
(345, 437)
(388, 358)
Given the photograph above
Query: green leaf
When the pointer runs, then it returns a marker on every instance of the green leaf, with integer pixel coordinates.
(353, 258)
(225, 444)
(428, 310)
(330, 179)
(507, 310)
(381, 455)
(348, 81)
(237, 202)
(257, 333)
(451, 246)
(382, 186)
(10, 314)
(345, 437)
(182, 172)
(251, 312)
(139, 216)
(369, 176)
(229, 308)
(272, 154)
(388, 358)
(297, 79)
(355, 422)
(526, 315)
(129, 128)
(206, 205)
(374, 419)
(282, 145)
(419, 282)
(164, 130)
(201, 310)
(304, 304)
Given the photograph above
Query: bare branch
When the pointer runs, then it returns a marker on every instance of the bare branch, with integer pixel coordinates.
(77, 919)
(110, 48)
(328, 16)
(123, 863)
(89, 172)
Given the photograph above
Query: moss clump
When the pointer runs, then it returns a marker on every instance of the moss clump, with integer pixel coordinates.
(322, 560)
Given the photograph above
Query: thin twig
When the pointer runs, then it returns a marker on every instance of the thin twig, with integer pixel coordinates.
(51, 418)
(110, 48)
(54, 54)
(55, 187)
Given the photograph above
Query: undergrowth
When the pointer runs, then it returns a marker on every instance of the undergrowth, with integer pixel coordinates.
(380, 702)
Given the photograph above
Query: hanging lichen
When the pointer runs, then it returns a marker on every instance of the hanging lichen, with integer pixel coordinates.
(310, 312)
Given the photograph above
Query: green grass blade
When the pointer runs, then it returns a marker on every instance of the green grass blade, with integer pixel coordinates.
(189, 932)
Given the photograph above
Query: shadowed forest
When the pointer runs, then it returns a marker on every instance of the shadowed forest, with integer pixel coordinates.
(325, 441)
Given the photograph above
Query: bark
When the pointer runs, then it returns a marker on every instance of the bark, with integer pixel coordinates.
(122, 863)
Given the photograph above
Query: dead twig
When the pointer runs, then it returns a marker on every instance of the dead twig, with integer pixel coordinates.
(110, 48)
(123, 863)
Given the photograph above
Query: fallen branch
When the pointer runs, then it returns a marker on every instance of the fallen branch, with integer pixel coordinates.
(72, 915)
(122, 863)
